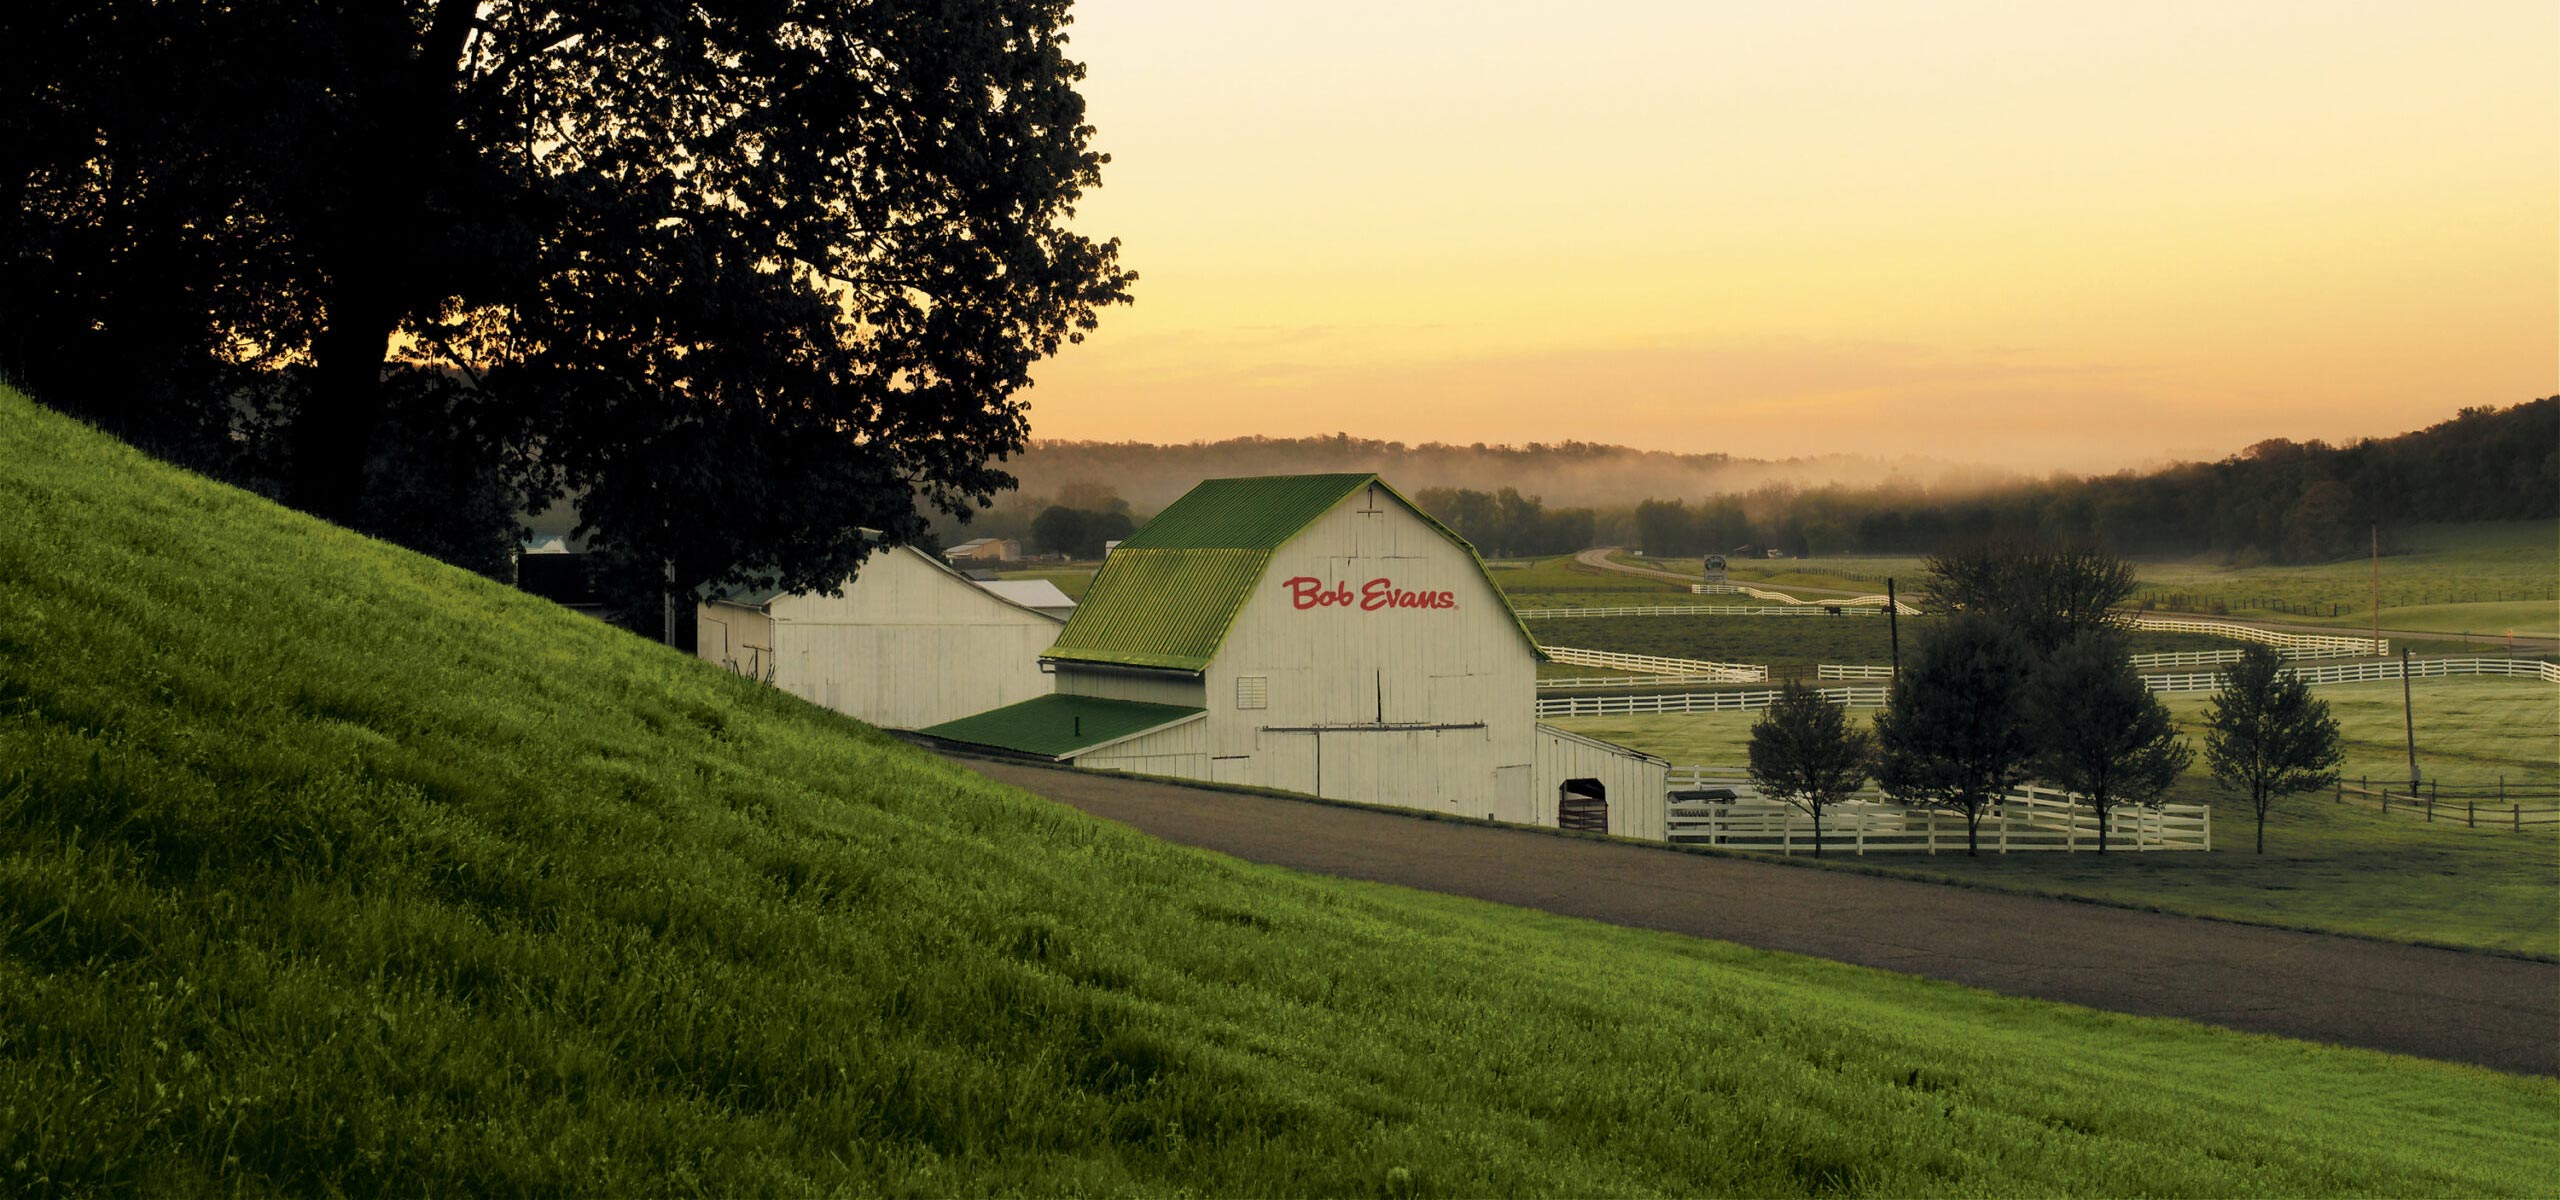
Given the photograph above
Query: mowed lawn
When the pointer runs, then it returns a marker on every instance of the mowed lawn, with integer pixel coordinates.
(327, 869)
(2341, 867)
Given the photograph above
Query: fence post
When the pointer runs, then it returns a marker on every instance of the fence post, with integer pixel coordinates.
(2471, 814)
(2386, 798)
(2518, 812)
(2004, 829)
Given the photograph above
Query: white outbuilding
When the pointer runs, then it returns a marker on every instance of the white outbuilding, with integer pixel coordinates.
(909, 642)
(1317, 634)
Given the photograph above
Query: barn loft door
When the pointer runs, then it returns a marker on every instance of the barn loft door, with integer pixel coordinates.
(1583, 804)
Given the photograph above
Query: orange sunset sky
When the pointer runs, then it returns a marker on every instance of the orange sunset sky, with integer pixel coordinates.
(2070, 234)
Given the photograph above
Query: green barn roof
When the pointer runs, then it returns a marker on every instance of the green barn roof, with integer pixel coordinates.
(1058, 726)
(1168, 595)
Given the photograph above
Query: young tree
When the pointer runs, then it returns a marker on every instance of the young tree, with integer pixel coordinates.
(2047, 591)
(1804, 752)
(1953, 731)
(2098, 731)
(2265, 733)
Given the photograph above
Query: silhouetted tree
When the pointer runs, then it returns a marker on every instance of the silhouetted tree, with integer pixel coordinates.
(743, 277)
(2098, 731)
(1804, 752)
(2265, 734)
(1953, 730)
(2047, 592)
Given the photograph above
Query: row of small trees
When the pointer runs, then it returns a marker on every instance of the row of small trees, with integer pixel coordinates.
(2029, 680)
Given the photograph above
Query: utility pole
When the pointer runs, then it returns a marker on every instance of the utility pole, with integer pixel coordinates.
(2377, 592)
(2410, 718)
(1893, 624)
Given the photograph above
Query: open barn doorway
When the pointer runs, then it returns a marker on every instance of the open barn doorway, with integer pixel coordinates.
(1583, 804)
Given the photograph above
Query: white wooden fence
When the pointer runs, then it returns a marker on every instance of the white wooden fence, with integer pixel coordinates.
(1727, 672)
(2141, 662)
(1692, 610)
(2296, 645)
(2024, 819)
(1694, 702)
(1851, 671)
(2364, 672)
(1876, 602)
(1588, 683)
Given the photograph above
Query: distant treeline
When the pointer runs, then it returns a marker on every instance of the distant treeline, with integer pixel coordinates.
(2279, 500)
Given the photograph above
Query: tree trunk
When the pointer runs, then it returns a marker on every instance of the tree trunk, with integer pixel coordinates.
(333, 434)
(2102, 830)
(1817, 831)
(399, 126)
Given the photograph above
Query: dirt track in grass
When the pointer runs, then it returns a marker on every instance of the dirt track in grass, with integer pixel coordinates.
(2496, 1012)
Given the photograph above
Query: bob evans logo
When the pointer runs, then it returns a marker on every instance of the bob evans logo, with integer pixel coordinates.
(1306, 591)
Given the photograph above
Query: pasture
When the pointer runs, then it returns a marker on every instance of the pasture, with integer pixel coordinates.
(438, 887)
(1785, 642)
(2343, 868)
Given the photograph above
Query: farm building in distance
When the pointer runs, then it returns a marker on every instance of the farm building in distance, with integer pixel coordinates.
(909, 642)
(985, 550)
(1316, 634)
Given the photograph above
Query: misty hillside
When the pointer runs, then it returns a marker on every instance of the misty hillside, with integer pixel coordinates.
(1579, 474)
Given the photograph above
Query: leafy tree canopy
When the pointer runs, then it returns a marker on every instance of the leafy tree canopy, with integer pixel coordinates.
(2049, 592)
(2267, 736)
(1953, 730)
(2098, 731)
(743, 276)
(1804, 752)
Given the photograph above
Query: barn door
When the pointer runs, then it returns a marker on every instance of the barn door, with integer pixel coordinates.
(1583, 804)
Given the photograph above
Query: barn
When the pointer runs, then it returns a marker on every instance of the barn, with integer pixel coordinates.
(1316, 634)
(909, 642)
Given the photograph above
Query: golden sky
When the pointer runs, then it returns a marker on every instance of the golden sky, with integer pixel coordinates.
(2072, 234)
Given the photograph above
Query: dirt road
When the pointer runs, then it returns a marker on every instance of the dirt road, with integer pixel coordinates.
(2475, 1008)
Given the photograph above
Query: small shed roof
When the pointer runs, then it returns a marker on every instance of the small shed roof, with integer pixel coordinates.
(1169, 594)
(1059, 726)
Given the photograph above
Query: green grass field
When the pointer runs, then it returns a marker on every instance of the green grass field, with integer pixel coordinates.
(1071, 579)
(2484, 577)
(2345, 868)
(327, 869)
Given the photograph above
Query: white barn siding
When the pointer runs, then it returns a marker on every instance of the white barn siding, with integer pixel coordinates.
(1635, 784)
(1176, 751)
(1150, 688)
(907, 644)
(1329, 668)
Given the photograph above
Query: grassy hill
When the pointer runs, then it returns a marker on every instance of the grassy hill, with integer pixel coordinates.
(324, 868)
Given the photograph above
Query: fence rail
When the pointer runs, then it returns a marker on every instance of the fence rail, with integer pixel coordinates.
(1694, 702)
(2501, 808)
(2365, 672)
(2024, 819)
(1588, 683)
(2298, 645)
(1728, 672)
(1851, 671)
(1693, 610)
(1876, 602)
